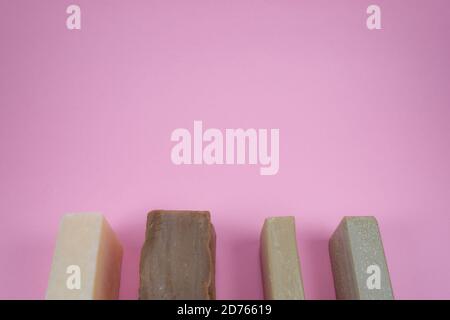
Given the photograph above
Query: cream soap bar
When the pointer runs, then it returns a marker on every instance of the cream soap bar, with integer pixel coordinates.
(87, 260)
(358, 262)
(280, 262)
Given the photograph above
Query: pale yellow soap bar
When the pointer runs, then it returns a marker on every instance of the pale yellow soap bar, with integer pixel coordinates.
(87, 260)
(280, 263)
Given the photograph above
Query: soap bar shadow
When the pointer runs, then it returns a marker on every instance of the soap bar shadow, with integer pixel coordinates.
(316, 266)
(245, 270)
(132, 238)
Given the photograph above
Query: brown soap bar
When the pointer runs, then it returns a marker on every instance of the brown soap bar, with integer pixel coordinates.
(178, 256)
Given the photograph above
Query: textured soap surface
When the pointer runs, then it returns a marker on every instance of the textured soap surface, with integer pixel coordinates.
(86, 248)
(358, 261)
(280, 262)
(178, 256)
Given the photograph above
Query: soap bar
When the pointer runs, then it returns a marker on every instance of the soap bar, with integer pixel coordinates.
(280, 264)
(358, 262)
(178, 256)
(87, 260)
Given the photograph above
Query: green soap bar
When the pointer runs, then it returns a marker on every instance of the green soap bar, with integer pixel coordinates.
(358, 261)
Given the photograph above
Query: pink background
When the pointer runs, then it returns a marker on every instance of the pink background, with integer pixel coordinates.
(86, 118)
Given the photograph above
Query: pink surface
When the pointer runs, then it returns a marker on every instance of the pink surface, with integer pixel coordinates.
(86, 118)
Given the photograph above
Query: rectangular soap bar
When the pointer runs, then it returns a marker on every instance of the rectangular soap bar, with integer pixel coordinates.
(87, 260)
(280, 262)
(178, 256)
(358, 262)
